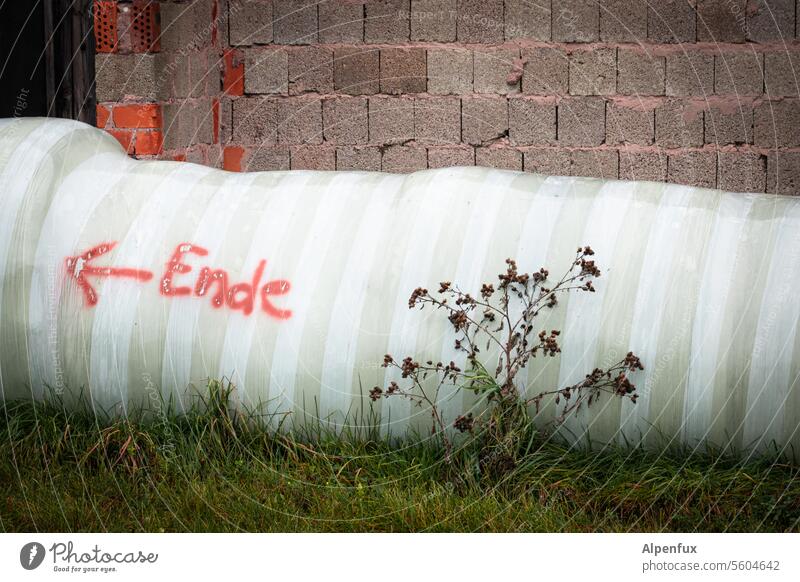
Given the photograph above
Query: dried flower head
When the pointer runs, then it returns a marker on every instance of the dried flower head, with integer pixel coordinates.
(464, 423)
(418, 294)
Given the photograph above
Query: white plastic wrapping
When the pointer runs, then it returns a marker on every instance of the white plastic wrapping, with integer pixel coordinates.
(111, 270)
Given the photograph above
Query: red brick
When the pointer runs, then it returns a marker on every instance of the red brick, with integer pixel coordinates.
(145, 26)
(502, 158)
(739, 73)
(124, 137)
(149, 143)
(216, 20)
(447, 157)
(742, 172)
(313, 158)
(630, 125)
(345, 120)
(693, 169)
(310, 69)
(136, 116)
(645, 166)
(232, 158)
(527, 20)
(531, 121)
(776, 123)
(492, 68)
(299, 121)
(769, 20)
(340, 22)
(721, 20)
(401, 159)
(233, 74)
(671, 21)
(623, 20)
(581, 121)
(480, 21)
(103, 113)
(365, 159)
(783, 173)
(546, 71)
(105, 25)
(437, 120)
(356, 70)
(403, 70)
(640, 73)
(593, 72)
(391, 120)
(576, 21)
(434, 20)
(387, 21)
(483, 120)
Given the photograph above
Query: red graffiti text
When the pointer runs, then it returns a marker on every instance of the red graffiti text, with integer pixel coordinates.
(80, 268)
(215, 282)
(212, 282)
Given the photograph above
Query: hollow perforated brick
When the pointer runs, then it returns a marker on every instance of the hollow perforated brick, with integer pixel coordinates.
(145, 26)
(105, 26)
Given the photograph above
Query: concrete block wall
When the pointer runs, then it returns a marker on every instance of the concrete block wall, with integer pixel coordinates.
(701, 92)
(158, 81)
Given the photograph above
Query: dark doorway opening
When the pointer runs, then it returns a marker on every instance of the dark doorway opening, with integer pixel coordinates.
(47, 59)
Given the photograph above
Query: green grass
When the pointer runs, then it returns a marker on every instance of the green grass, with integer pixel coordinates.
(208, 471)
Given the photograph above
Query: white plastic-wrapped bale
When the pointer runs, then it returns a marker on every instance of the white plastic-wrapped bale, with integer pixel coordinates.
(140, 280)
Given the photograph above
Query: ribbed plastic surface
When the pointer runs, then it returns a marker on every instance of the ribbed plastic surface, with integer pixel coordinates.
(140, 280)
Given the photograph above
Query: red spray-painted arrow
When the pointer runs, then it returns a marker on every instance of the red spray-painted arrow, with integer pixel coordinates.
(80, 268)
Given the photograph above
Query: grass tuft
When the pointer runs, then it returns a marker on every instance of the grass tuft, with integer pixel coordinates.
(215, 469)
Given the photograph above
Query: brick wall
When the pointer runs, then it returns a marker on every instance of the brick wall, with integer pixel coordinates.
(700, 92)
(158, 76)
